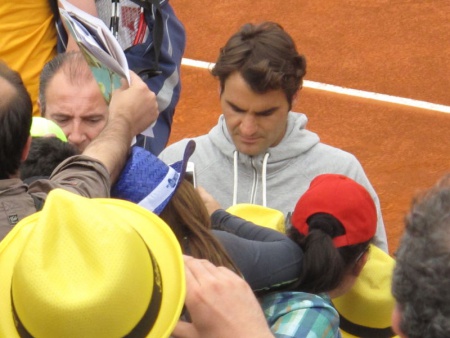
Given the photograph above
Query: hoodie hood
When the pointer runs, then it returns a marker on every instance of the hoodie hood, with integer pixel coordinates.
(297, 140)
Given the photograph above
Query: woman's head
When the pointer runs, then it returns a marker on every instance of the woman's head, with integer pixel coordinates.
(333, 222)
(188, 218)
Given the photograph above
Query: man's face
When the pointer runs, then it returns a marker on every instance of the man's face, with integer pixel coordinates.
(254, 121)
(79, 109)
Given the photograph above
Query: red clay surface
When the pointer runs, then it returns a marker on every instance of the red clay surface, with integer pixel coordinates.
(392, 47)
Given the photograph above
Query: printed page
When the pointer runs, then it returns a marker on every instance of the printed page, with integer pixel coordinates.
(100, 48)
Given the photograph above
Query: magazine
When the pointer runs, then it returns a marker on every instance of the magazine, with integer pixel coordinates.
(99, 47)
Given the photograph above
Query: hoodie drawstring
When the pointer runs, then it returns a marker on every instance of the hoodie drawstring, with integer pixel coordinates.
(263, 178)
(235, 179)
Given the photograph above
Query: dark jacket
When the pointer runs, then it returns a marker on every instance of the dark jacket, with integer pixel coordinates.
(79, 174)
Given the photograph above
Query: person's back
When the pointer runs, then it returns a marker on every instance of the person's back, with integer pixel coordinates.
(15, 123)
(421, 278)
(260, 152)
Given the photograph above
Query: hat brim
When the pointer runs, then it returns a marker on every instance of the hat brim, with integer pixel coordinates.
(148, 181)
(371, 292)
(260, 215)
(158, 237)
(348, 335)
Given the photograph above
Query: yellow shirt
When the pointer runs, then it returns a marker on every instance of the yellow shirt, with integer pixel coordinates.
(27, 40)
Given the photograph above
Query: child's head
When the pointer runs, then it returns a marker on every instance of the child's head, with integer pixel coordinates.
(334, 222)
(46, 153)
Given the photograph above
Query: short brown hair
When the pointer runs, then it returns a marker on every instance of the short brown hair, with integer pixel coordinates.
(266, 57)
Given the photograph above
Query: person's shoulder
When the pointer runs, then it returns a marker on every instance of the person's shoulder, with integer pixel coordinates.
(301, 299)
(174, 152)
(203, 148)
(175, 147)
(335, 152)
(296, 314)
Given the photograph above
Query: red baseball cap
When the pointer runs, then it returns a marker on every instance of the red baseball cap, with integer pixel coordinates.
(343, 198)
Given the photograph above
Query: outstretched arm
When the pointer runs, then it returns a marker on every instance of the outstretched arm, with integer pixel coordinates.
(131, 111)
(265, 257)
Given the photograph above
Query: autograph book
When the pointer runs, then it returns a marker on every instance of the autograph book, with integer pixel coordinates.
(99, 47)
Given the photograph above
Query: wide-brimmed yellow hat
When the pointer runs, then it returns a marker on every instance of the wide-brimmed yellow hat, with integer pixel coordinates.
(366, 310)
(260, 215)
(90, 268)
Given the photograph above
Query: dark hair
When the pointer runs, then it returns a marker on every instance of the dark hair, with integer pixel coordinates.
(265, 56)
(324, 265)
(421, 279)
(46, 153)
(74, 66)
(16, 112)
(188, 218)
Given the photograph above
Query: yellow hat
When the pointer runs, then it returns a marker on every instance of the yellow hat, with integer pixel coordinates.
(90, 268)
(40, 126)
(264, 216)
(366, 310)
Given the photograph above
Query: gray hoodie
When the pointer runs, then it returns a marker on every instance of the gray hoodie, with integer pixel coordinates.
(275, 179)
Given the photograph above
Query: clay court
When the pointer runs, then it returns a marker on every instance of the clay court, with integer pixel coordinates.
(393, 54)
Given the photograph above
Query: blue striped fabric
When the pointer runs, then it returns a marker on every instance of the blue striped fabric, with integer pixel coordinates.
(300, 314)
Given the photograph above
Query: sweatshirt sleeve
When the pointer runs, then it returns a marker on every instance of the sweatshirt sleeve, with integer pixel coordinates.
(265, 257)
(79, 174)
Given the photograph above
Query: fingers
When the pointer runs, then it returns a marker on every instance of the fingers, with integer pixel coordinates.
(185, 330)
(201, 269)
(134, 78)
(210, 203)
(124, 84)
(202, 277)
(190, 278)
(197, 272)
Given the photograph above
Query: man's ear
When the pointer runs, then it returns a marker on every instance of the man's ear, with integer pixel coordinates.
(26, 149)
(40, 107)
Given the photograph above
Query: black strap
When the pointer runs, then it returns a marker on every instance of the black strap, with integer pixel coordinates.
(54, 7)
(364, 331)
(158, 32)
(38, 202)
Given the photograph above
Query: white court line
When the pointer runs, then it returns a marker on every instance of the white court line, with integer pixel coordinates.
(347, 91)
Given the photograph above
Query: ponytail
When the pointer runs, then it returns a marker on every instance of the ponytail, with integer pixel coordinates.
(324, 265)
